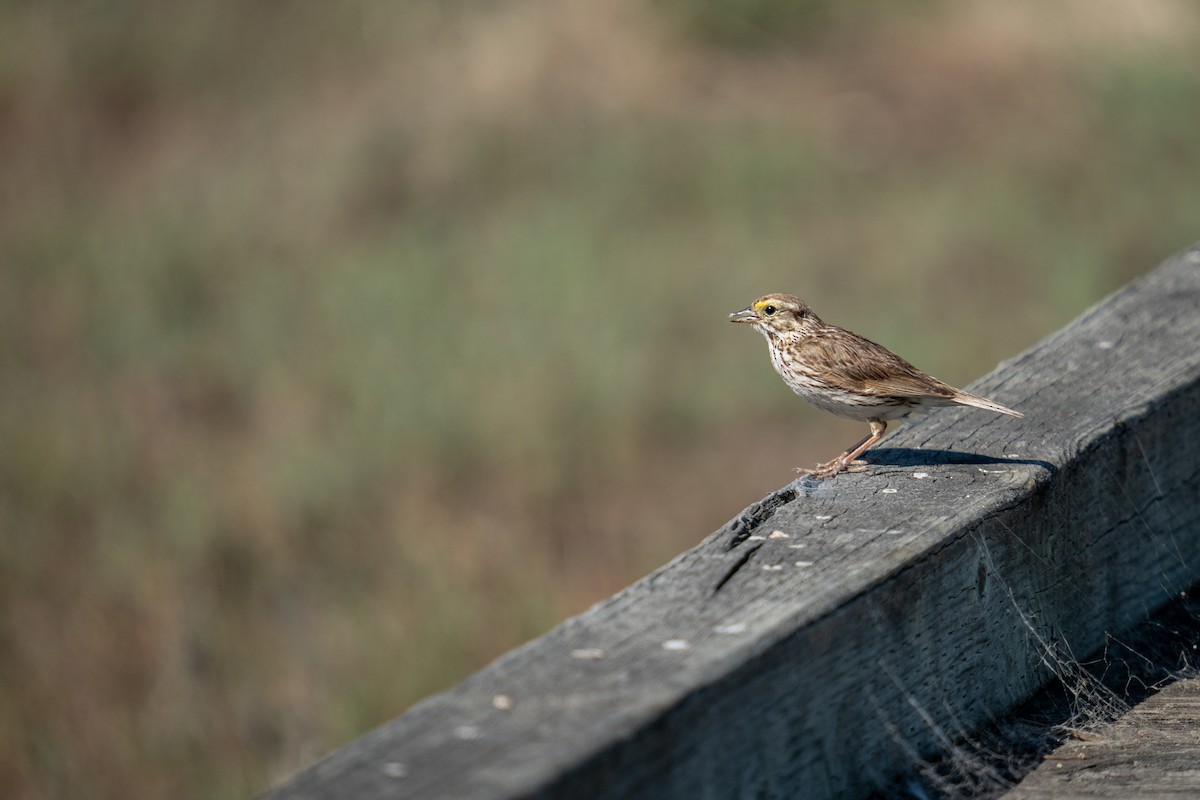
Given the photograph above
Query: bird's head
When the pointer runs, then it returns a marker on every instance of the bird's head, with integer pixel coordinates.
(778, 314)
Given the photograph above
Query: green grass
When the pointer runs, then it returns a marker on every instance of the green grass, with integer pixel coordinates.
(313, 404)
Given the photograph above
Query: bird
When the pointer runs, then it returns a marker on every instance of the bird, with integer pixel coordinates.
(839, 371)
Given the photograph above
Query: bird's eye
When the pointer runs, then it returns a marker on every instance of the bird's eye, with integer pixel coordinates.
(769, 310)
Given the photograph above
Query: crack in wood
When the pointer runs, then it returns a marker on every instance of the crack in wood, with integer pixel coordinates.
(755, 515)
(741, 562)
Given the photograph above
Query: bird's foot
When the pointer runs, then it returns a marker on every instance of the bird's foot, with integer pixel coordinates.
(831, 468)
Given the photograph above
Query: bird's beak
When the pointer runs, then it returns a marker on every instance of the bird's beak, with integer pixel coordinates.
(745, 315)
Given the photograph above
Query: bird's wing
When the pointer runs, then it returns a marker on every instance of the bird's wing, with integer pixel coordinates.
(856, 363)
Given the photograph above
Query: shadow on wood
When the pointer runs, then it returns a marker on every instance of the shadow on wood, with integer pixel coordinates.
(833, 633)
(911, 457)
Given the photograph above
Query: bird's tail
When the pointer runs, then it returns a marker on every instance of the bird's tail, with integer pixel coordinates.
(968, 399)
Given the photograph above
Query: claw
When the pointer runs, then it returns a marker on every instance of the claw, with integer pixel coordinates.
(831, 468)
(823, 471)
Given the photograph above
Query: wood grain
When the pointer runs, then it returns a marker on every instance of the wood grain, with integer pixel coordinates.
(1152, 751)
(831, 633)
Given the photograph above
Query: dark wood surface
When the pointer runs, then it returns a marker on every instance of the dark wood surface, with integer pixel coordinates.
(833, 633)
(1151, 752)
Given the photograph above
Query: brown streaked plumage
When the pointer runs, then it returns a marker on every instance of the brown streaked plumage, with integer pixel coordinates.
(848, 375)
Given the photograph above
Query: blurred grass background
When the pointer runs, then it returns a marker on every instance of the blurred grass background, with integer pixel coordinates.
(345, 346)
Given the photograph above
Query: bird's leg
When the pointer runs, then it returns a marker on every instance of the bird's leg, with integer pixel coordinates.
(846, 461)
(878, 428)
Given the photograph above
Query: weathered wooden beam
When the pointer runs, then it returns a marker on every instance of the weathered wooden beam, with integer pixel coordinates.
(832, 632)
(1152, 751)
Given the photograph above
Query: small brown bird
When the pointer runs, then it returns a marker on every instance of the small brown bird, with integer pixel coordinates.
(843, 373)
